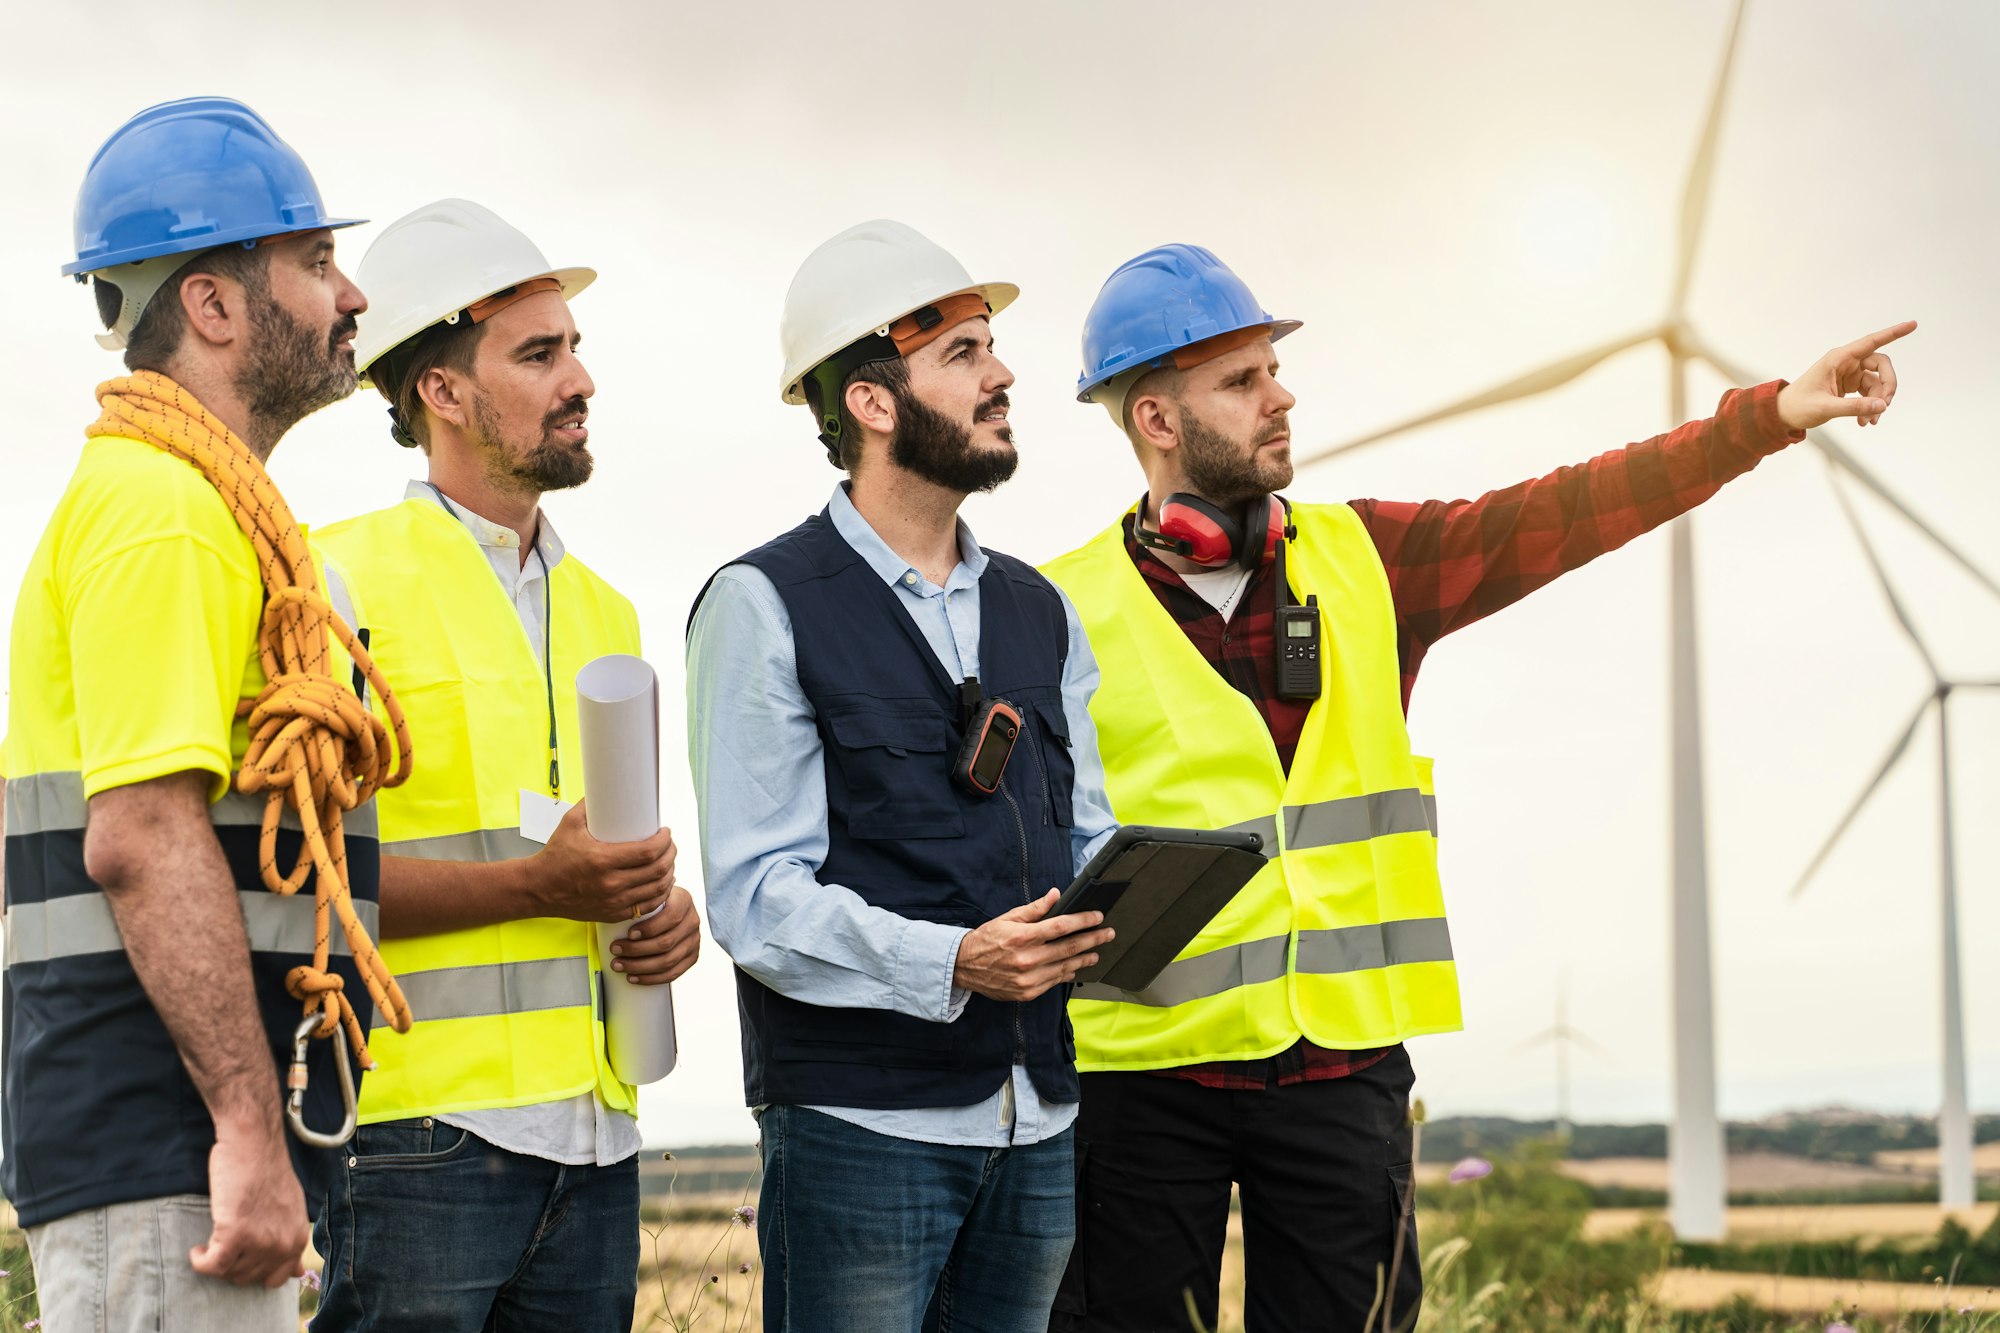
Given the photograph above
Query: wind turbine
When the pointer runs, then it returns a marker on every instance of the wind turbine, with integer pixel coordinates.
(1956, 1181)
(1562, 1036)
(1697, 1191)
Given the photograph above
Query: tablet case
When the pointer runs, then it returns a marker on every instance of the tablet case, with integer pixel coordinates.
(1157, 890)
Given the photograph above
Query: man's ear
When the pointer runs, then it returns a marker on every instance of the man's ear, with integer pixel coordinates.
(444, 394)
(215, 308)
(1154, 421)
(872, 407)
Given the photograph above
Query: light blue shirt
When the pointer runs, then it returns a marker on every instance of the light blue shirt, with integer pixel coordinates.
(760, 783)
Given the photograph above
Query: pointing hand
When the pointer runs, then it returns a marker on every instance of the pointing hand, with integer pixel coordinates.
(1859, 368)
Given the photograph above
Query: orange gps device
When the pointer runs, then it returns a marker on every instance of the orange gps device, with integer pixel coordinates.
(989, 741)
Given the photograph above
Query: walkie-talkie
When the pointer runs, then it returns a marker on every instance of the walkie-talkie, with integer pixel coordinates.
(1295, 635)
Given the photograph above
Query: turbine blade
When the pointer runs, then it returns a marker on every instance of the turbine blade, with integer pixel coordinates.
(1701, 172)
(1592, 1047)
(1833, 449)
(1882, 579)
(1539, 1039)
(1854, 809)
(1554, 375)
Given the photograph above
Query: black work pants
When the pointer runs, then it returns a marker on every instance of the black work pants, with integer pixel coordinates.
(1321, 1168)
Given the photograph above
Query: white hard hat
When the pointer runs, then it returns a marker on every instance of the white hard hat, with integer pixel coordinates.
(429, 265)
(859, 283)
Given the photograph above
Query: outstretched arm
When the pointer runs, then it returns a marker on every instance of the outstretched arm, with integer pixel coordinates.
(1453, 562)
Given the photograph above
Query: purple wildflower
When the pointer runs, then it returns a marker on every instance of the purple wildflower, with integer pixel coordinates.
(1839, 1328)
(32, 1324)
(1477, 1168)
(311, 1280)
(745, 1216)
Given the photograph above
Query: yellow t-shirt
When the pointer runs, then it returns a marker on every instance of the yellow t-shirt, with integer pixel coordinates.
(134, 639)
(136, 630)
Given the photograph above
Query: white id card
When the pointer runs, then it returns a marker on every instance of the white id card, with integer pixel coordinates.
(540, 813)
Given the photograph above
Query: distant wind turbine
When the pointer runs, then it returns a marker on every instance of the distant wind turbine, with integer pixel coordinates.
(1697, 1191)
(1956, 1180)
(1562, 1036)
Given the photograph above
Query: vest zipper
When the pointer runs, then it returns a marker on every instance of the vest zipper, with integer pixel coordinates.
(1021, 830)
(1048, 787)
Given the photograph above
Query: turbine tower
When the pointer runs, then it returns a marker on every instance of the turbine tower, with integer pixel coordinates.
(1697, 1191)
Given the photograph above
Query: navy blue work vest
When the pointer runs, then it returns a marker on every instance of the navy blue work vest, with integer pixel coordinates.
(907, 839)
(99, 1108)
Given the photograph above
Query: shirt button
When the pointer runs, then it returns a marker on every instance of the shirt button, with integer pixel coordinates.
(911, 578)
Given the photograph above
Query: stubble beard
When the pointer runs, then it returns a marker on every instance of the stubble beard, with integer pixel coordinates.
(291, 369)
(551, 465)
(1217, 469)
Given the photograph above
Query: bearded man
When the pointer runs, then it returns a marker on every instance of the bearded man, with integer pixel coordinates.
(493, 1182)
(147, 1012)
(900, 979)
(1258, 656)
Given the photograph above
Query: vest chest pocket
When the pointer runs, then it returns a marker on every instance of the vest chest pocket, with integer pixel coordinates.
(892, 762)
(1057, 760)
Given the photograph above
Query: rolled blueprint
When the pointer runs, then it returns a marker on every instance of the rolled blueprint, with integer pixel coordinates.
(618, 718)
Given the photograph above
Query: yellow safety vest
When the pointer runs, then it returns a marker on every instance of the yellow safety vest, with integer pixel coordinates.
(507, 1014)
(1341, 938)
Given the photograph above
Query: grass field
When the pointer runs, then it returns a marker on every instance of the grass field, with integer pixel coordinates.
(699, 1271)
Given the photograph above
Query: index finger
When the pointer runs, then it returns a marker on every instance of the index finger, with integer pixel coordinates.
(1880, 338)
(1056, 927)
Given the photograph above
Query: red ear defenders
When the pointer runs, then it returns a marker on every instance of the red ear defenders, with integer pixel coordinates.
(1196, 530)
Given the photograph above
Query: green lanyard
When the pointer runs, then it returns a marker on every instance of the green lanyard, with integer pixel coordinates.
(548, 638)
(549, 660)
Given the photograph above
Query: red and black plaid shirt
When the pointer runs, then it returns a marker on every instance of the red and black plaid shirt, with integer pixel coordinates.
(1450, 563)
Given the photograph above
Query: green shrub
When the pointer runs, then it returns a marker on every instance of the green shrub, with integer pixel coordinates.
(1521, 1227)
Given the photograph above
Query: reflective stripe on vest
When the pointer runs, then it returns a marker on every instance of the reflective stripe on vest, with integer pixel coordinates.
(54, 802)
(1341, 938)
(507, 1014)
(1348, 949)
(497, 988)
(81, 923)
(1344, 819)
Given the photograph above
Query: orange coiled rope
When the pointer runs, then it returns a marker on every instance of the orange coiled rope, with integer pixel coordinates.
(314, 746)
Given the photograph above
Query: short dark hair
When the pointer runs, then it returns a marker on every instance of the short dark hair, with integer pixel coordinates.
(892, 375)
(156, 339)
(398, 372)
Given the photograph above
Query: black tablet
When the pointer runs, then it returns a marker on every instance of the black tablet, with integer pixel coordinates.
(1157, 887)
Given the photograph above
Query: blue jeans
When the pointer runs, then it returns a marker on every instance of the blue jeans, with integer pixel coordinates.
(864, 1233)
(430, 1229)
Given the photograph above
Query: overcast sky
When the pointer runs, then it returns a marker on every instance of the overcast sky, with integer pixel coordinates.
(1446, 194)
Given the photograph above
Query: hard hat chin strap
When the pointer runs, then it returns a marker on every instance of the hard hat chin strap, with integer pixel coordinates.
(823, 383)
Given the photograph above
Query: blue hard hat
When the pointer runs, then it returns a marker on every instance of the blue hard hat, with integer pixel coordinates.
(187, 176)
(1170, 297)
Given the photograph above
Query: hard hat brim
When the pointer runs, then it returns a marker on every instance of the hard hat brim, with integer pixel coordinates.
(195, 245)
(1154, 358)
(997, 295)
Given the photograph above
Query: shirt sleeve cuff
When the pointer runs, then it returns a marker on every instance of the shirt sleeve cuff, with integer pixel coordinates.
(924, 968)
(1770, 433)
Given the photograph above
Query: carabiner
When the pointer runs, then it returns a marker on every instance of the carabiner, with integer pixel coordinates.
(295, 1079)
